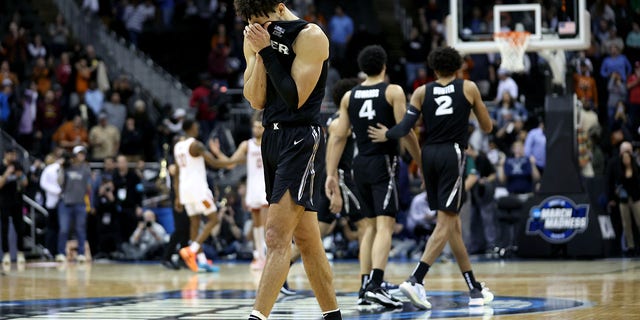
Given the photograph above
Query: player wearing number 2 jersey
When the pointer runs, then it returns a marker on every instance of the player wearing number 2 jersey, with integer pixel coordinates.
(375, 166)
(445, 106)
(256, 198)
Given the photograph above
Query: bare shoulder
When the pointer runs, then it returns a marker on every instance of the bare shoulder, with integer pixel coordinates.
(394, 91)
(312, 40)
(469, 86)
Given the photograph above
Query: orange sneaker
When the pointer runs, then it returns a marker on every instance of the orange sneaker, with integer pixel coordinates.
(189, 258)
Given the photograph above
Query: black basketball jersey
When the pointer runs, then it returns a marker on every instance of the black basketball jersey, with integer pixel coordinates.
(445, 112)
(368, 106)
(283, 34)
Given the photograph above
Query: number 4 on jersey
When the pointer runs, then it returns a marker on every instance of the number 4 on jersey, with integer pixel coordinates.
(367, 111)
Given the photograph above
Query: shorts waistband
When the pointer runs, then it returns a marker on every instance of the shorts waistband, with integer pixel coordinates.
(282, 125)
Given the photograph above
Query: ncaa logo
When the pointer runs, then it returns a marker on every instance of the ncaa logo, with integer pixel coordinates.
(558, 219)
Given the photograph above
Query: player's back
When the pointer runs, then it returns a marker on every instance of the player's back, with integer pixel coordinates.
(445, 112)
(192, 171)
(368, 106)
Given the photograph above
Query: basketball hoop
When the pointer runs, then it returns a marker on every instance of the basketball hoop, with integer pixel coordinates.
(512, 45)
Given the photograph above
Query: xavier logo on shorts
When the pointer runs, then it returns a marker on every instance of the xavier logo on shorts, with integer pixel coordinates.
(558, 219)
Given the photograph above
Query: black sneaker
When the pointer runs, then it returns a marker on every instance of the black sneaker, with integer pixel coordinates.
(170, 265)
(286, 290)
(380, 296)
(361, 300)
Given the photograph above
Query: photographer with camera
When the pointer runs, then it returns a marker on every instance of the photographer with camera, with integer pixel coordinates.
(13, 182)
(108, 217)
(146, 242)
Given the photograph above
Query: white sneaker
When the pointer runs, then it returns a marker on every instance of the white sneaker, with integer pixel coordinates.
(20, 258)
(416, 293)
(6, 259)
(81, 259)
(479, 297)
(61, 258)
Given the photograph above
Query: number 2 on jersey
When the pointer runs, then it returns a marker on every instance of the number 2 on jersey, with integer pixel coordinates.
(367, 111)
(444, 105)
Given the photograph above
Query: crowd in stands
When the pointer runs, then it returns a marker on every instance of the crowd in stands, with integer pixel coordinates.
(60, 102)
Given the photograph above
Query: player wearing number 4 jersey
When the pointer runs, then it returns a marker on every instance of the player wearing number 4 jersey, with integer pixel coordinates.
(256, 198)
(374, 168)
(445, 106)
(193, 192)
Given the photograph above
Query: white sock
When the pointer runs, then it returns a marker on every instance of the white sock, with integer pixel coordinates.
(202, 258)
(194, 246)
(258, 239)
(255, 314)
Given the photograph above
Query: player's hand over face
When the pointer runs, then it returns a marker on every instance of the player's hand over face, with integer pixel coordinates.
(332, 190)
(378, 133)
(257, 36)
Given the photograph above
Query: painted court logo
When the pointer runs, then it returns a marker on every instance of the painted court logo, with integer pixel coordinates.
(237, 304)
(558, 219)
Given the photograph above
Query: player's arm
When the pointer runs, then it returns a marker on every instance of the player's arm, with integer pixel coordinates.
(174, 171)
(240, 156)
(335, 148)
(472, 94)
(197, 149)
(380, 133)
(400, 112)
(255, 78)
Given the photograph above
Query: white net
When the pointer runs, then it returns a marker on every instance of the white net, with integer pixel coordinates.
(512, 46)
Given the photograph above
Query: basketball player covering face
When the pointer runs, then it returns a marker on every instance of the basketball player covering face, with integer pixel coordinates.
(374, 168)
(445, 106)
(285, 75)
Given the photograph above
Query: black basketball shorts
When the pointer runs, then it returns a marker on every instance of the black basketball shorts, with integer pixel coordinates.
(443, 170)
(293, 159)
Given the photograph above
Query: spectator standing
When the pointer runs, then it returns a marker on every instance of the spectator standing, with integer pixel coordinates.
(340, 31)
(94, 98)
(8, 77)
(71, 134)
(132, 143)
(109, 237)
(415, 50)
(585, 86)
(104, 139)
(116, 111)
(128, 187)
(617, 90)
(134, 18)
(13, 182)
(36, 48)
(42, 75)
(51, 187)
(59, 33)
(48, 119)
(506, 84)
(536, 145)
(615, 62)
(27, 116)
(75, 180)
(633, 85)
(200, 100)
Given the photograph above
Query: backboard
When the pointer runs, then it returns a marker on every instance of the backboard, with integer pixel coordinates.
(553, 24)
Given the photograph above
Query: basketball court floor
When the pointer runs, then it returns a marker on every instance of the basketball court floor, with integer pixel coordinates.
(596, 289)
